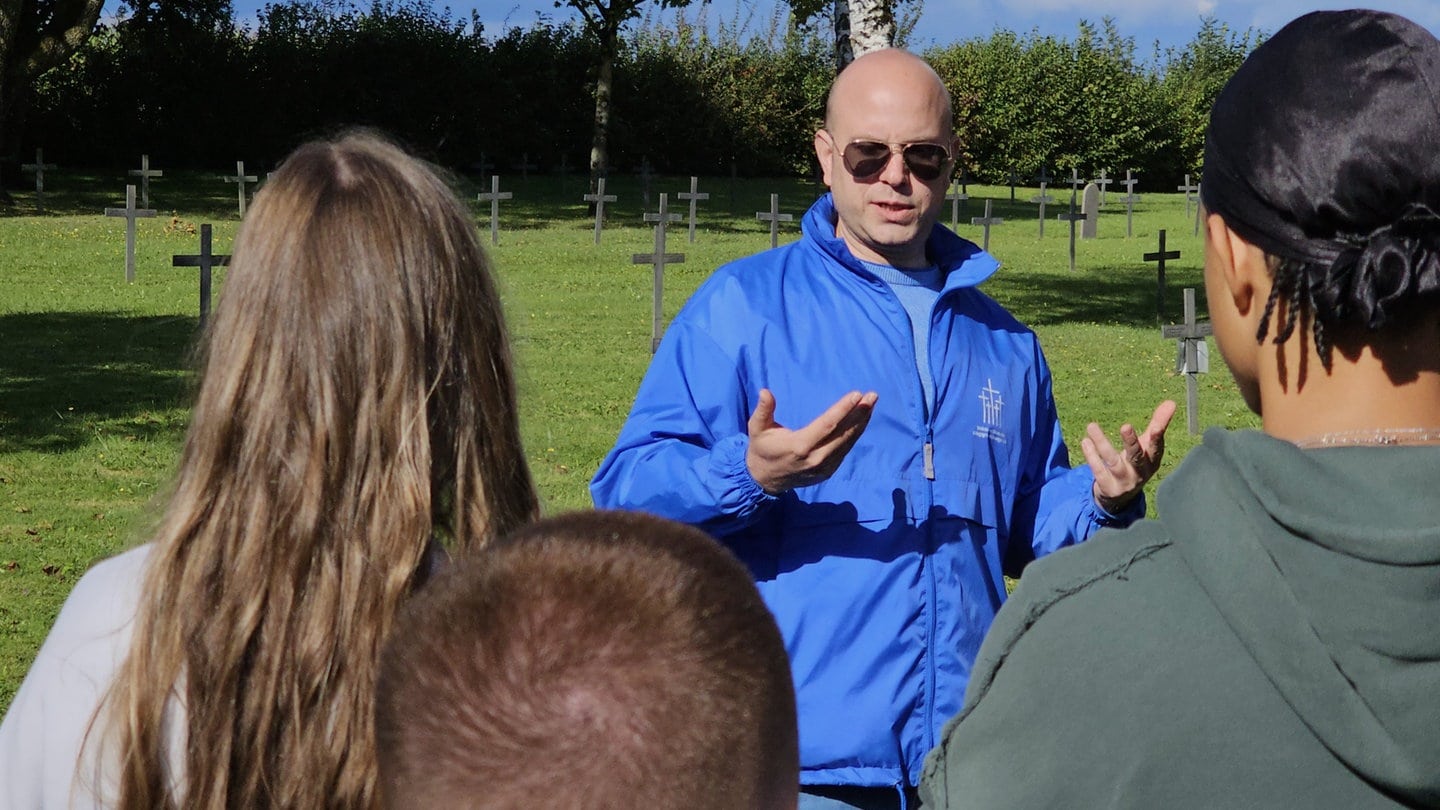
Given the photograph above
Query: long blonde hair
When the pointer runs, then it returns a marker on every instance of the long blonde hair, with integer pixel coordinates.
(356, 399)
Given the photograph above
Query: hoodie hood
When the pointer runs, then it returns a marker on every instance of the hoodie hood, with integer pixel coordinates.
(1326, 564)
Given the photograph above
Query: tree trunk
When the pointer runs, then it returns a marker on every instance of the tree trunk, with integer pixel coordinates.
(844, 54)
(872, 25)
(599, 144)
(33, 40)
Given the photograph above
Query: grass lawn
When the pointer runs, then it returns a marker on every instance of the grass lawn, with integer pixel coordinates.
(94, 371)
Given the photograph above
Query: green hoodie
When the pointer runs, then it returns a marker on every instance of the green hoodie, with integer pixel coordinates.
(1272, 640)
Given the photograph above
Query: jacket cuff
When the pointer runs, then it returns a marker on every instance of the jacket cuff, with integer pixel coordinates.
(740, 493)
(1131, 513)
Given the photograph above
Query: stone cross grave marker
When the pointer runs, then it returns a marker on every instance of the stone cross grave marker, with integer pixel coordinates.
(733, 172)
(1013, 179)
(1090, 207)
(965, 182)
(986, 221)
(1072, 216)
(1042, 198)
(774, 217)
(1188, 189)
(1075, 181)
(955, 196)
(645, 173)
(1044, 175)
(494, 197)
(1198, 187)
(1192, 357)
(483, 167)
(525, 167)
(130, 213)
(657, 260)
(39, 167)
(206, 261)
(240, 179)
(145, 173)
(599, 198)
(1129, 199)
(1160, 256)
(1103, 182)
(563, 169)
(693, 196)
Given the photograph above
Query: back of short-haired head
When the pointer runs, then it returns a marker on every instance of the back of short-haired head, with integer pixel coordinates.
(1324, 151)
(594, 660)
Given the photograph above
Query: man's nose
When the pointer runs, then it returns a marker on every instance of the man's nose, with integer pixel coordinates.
(895, 169)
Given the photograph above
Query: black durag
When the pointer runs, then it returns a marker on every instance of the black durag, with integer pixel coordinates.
(1324, 149)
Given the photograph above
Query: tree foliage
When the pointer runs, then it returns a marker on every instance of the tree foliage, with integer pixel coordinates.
(1193, 78)
(691, 97)
(35, 36)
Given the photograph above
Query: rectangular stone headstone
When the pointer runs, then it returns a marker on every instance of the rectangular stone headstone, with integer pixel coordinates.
(1090, 207)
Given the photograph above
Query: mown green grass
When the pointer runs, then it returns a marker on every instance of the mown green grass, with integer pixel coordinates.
(94, 371)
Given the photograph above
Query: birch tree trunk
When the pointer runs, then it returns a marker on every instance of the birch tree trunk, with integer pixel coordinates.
(599, 144)
(872, 25)
(844, 54)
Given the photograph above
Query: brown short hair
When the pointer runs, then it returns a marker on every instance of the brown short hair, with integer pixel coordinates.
(597, 659)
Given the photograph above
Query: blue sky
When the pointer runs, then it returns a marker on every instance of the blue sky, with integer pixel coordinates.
(1170, 22)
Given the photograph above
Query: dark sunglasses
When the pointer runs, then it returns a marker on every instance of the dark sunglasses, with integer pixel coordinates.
(866, 159)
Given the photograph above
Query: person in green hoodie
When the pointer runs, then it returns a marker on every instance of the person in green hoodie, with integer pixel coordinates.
(1273, 638)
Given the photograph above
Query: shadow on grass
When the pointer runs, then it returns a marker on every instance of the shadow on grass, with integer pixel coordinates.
(61, 372)
(85, 192)
(1117, 295)
(541, 201)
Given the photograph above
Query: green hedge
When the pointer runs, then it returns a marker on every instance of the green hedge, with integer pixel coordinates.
(690, 98)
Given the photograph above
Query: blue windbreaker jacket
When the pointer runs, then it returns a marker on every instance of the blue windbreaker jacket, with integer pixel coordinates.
(885, 577)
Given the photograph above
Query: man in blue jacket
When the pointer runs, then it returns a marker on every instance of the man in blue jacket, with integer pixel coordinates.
(880, 531)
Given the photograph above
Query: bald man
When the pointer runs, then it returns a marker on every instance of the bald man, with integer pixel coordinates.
(874, 437)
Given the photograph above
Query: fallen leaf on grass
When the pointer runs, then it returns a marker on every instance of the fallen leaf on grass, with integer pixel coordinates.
(13, 565)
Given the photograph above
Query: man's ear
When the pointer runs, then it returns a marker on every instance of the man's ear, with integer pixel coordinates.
(825, 153)
(1243, 268)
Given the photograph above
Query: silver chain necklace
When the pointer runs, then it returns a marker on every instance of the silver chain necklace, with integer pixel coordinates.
(1373, 436)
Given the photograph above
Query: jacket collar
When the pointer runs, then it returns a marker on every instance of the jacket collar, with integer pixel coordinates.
(962, 261)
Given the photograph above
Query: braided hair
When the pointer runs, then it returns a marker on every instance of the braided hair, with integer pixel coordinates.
(1378, 280)
(1324, 151)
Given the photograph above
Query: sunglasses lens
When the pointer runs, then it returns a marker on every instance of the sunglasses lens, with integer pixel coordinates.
(866, 158)
(926, 160)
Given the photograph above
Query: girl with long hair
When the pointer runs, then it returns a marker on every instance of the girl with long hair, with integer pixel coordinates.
(356, 407)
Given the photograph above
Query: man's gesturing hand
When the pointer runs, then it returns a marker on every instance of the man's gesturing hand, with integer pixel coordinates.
(781, 459)
(1121, 474)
